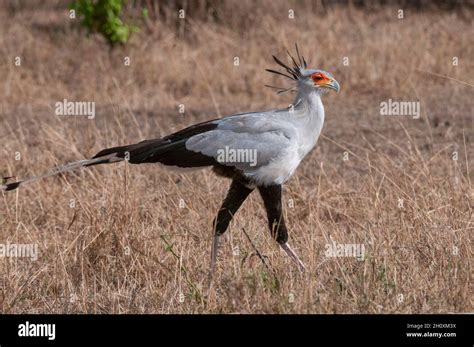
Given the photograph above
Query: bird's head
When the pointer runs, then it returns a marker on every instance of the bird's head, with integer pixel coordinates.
(318, 80)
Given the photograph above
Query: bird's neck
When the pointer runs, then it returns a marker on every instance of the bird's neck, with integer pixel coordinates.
(309, 101)
(308, 119)
(309, 115)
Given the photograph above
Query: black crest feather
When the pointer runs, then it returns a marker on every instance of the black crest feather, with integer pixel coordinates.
(291, 72)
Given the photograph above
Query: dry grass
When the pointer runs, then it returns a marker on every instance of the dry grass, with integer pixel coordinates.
(127, 246)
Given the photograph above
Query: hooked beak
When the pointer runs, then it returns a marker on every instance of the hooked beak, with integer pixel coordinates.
(332, 84)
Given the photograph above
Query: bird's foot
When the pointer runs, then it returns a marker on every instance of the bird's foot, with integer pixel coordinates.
(286, 247)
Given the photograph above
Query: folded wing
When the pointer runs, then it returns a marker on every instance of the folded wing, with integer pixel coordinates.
(245, 142)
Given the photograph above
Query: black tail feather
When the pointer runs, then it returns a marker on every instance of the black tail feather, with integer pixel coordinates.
(170, 150)
(11, 186)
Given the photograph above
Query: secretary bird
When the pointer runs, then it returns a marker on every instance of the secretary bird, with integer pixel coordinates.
(279, 138)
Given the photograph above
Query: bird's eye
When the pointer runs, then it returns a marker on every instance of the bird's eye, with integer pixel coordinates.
(317, 77)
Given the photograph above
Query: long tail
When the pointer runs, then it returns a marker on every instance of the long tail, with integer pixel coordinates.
(170, 150)
(110, 158)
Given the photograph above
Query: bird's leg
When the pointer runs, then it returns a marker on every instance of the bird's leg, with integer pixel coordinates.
(271, 196)
(291, 253)
(236, 195)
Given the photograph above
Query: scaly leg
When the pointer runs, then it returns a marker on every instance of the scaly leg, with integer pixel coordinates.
(286, 247)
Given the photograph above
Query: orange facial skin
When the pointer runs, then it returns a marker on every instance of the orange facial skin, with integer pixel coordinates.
(320, 79)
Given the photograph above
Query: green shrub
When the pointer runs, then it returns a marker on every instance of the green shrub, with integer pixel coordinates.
(104, 17)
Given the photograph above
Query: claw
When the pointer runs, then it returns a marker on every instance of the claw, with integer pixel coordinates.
(286, 247)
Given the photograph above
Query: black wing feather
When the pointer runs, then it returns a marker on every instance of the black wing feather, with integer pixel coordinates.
(169, 150)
